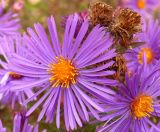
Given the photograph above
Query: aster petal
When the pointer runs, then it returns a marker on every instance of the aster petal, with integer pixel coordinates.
(94, 113)
(94, 91)
(34, 49)
(20, 60)
(54, 36)
(52, 107)
(99, 59)
(70, 118)
(86, 97)
(79, 109)
(46, 104)
(101, 46)
(66, 118)
(91, 40)
(17, 122)
(96, 69)
(1, 127)
(45, 42)
(82, 105)
(74, 108)
(29, 85)
(36, 41)
(38, 102)
(152, 124)
(79, 38)
(58, 110)
(69, 34)
(100, 88)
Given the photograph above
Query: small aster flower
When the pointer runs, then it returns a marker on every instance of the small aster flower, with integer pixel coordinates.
(150, 49)
(2, 129)
(144, 7)
(9, 22)
(21, 124)
(8, 78)
(136, 103)
(73, 72)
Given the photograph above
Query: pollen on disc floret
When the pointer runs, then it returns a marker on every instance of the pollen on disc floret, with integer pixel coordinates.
(142, 106)
(148, 53)
(63, 73)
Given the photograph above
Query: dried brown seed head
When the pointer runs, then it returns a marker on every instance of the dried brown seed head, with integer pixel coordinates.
(100, 13)
(121, 23)
(125, 24)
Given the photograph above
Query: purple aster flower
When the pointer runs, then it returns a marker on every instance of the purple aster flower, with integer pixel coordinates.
(150, 49)
(144, 7)
(9, 22)
(21, 124)
(137, 101)
(73, 72)
(2, 129)
(8, 78)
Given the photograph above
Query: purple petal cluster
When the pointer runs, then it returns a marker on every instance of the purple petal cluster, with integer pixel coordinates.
(140, 91)
(20, 124)
(84, 54)
(149, 48)
(9, 78)
(9, 22)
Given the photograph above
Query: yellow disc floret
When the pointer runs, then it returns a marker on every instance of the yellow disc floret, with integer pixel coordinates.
(63, 73)
(148, 53)
(142, 106)
(141, 4)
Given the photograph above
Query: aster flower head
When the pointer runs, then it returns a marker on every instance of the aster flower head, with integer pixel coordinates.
(149, 49)
(144, 7)
(9, 22)
(73, 72)
(136, 103)
(8, 78)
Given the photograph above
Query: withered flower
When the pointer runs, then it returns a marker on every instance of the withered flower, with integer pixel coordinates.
(100, 13)
(121, 23)
(124, 25)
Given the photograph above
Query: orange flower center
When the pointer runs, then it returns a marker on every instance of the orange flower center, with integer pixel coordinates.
(141, 4)
(142, 106)
(63, 73)
(148, 53)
